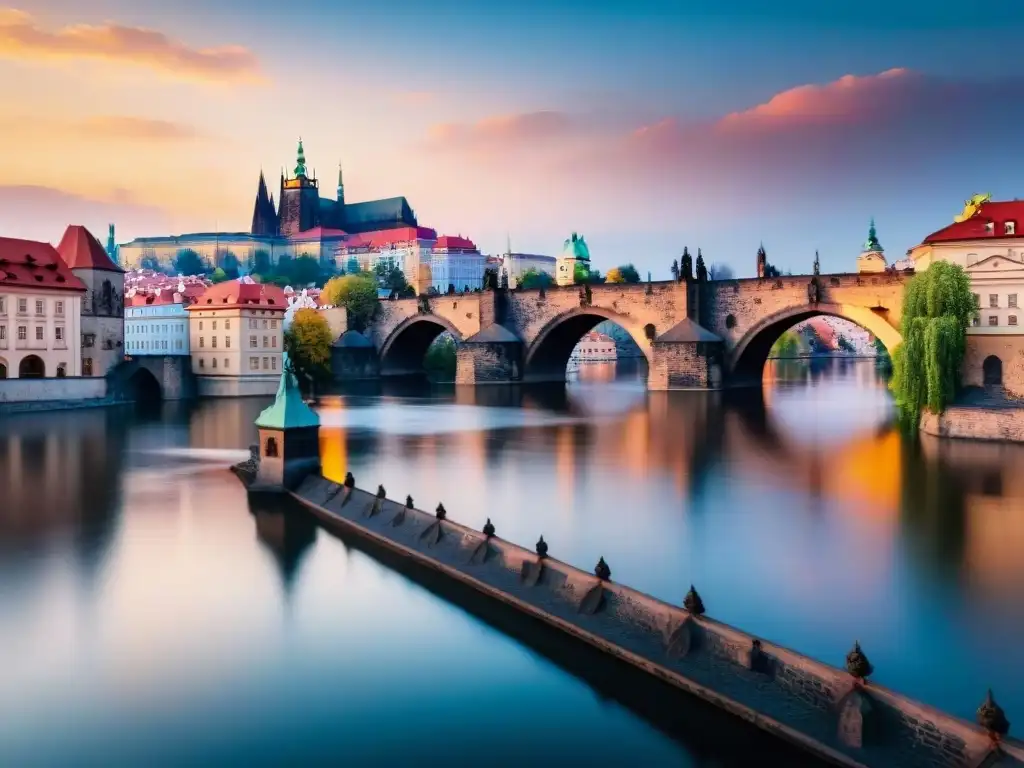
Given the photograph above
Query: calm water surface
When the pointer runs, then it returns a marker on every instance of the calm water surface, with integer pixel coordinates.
(148, 616)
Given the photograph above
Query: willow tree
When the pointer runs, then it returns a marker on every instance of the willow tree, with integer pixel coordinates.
(937, 309)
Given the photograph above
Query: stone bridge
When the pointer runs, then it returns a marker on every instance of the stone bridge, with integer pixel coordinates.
(152, 377)
(693, 335)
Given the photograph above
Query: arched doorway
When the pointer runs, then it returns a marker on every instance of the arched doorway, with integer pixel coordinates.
(3, 368)
(32, 367)
(144, 388)
(992, 371)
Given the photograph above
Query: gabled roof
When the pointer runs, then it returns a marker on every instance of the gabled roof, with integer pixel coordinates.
(1001, 257)
(451, 241)
(974, 228)
(688, 331)
(80, 250)
(494, 333)
(31, 264)
(378, 214)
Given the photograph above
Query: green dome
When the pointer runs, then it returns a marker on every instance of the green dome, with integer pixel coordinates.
(576, 248)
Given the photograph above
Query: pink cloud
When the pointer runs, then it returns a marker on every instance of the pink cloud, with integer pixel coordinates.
(502, 131)
(23, 39)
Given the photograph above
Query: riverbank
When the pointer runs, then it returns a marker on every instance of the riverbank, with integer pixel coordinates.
(810, 704)
(978, 416)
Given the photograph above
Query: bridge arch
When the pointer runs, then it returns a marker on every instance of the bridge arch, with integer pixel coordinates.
(746, 360)
(548, 355)
(405, 347)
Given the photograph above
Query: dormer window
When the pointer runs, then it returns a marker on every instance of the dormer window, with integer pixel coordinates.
(990, 228)
(1010, 228)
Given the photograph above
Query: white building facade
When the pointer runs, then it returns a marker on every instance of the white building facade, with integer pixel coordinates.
(156, 325)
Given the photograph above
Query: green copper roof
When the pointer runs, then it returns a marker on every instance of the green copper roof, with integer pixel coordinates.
(288, 410)
(872, 243)
(576, 247)
(300, 162)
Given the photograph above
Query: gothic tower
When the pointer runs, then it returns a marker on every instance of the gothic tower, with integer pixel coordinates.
(762, 261)
(299, 199)
(264, 216)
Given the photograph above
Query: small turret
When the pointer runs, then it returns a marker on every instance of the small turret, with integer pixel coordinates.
(300, 162)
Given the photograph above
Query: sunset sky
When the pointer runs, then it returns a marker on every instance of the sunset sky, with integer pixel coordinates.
(644, 125)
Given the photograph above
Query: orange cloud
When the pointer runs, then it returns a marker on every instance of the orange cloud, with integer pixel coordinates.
(849, 97)
(100, 127)
(22, 39)
(503, 130)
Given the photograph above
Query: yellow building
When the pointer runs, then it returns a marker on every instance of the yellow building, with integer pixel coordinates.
(236, 334)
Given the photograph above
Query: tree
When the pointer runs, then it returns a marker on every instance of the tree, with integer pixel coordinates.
(151, 263)
(395, 280)
(937, 309)
(675, 270)
(308, 343)
(303, 271)
(702, 271)
(615, 276)
(357, 294)
(218, 276)
(686, 265)
(628, 272)
(720, 272)
(490, 279)
(583, 274)
(188, 262)
(441, 358)
(261, 262)
(787, 345)
(352, 265)
(534, 278)
(229, 265)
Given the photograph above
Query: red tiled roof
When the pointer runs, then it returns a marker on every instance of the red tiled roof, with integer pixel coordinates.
(317, 233)
(451, 241)
(151, 299)
(975, 227)
(80, 250)
(383, 237)
(234, 294)
(30, 264)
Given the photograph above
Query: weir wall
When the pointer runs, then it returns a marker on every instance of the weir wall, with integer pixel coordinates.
(808, 703)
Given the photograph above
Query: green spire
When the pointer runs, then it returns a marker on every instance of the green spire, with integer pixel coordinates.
(288, 411)
(872, 243)
(300, 162)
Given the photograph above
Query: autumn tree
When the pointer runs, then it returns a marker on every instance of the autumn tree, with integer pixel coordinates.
(357, 294)
(308, 344)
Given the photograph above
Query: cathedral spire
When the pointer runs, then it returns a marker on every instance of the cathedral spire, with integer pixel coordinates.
(300, 161)
(872, 243)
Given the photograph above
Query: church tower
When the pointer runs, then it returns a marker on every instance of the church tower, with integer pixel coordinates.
(872, 257)
(264, 216)
(299, 199)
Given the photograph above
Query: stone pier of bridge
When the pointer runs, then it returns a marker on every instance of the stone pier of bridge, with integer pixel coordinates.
(696, 335)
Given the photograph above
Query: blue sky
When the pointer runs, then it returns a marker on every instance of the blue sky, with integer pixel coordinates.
(526, 118)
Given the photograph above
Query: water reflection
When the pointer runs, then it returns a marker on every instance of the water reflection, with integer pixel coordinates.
(140, 593)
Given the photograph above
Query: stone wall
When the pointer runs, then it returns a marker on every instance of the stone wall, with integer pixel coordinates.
(808, 703)
(50, 390)
(976, 423)
(1009, 350)
(488, 363)
(460, 313)
(684, 365)
(237, 386)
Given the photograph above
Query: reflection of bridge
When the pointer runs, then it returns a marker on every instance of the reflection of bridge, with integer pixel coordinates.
(692, 335)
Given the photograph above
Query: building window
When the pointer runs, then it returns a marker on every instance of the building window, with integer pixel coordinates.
(3, 306)
(40, 307)
(3, 333)
(993, 320)
(202, 341)
(1010, 228)
(993, 301)
(59, 307)
(58, 333)
(213, 363)
(271, 449)
(215, 325)
(87, 366)
(977, 300)
(89, 340)
(1013, 320)
(227, 325)
(22, 306)
(252, 341)
(266, 363)
(990, 228)
(1011, 301)
(264, 323)
(227, 342)
(202, 363)
(273, 363)
(225, 362)
(254, 363)
(273, 341)
(213, 342)
(273, 325)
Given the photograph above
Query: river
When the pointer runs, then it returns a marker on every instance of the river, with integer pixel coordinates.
(148, 616)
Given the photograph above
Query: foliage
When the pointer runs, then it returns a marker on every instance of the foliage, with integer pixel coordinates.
(937, 309)
(395, 280)
(534, 278)
(308, 343)
(261, 261)
(624, 273)
(702, 270)
(614, 276)
(151, 263)
(583, 274)
(304, 271)
(686, 265)
(845, 344)
(352, 265)
(787, 345)
(229, 264)
(188, 262)
(770, 271)
(441, 358)
(720, 272)
(490, 279)
(675, 270)
(218, 276)
(357, 294)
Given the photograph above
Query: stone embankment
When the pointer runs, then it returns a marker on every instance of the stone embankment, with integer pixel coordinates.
(977, 422)
(827, 711)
